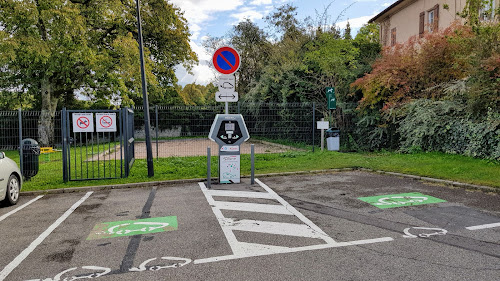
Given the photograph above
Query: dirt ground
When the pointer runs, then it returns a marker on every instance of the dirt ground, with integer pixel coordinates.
(195, 147)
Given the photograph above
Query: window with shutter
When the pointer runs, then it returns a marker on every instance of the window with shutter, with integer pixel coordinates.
(393, 36)
(421, 25)
(433, 18)
(436, 17)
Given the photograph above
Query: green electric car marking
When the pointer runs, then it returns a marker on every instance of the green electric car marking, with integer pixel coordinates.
(400, 200)
(133, 227)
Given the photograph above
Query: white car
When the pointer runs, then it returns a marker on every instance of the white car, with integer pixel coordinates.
(10, 180)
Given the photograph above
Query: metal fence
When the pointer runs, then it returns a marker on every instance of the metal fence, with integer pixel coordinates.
(183, 130)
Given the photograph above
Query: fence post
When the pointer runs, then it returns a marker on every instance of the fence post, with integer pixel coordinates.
(314, 118)
(209, 168)
(156, 127)
(252, 164)
(65, 135)
(20, 141)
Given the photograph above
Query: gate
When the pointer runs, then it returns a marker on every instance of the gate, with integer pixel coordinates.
(97, 144)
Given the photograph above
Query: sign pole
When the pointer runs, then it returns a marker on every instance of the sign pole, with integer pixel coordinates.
(322, 136)
(149, 150)
(227, 107)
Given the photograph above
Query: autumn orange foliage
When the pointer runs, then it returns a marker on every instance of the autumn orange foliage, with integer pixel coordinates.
(405, 71)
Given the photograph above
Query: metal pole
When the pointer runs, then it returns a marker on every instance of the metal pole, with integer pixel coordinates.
(145, 102)
(64, 144)
(20, 141)
(156, 111)
(252, 164)
(322, 136)
(313, 127)
(209, 168)
(227, 107)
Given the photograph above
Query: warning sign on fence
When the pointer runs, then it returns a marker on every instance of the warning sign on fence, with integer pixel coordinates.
(83, 123)
(105, 122)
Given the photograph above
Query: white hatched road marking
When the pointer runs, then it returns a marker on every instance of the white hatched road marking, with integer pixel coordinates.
(252, 207)
(294, 211)
(24, 254)
(484, 226)
(244, 249)
(230, 193)
(280, 228)
(19, 208)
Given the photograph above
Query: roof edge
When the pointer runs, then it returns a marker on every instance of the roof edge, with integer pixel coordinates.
(385, 11)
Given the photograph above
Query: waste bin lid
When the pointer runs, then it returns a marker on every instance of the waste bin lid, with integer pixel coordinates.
(30, 141)
(333, 130)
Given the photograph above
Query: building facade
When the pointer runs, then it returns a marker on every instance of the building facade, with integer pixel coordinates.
(407, 18)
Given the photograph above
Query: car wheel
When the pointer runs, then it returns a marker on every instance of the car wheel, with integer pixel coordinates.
(13, 187)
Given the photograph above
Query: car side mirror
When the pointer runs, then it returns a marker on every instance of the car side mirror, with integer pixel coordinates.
(2, 155)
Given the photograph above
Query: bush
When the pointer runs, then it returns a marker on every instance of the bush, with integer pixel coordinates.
(445, 126)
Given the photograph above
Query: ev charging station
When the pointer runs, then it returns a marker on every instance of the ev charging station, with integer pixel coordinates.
(228, 130)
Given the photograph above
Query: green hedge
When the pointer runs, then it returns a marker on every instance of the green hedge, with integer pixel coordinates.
(445, 126)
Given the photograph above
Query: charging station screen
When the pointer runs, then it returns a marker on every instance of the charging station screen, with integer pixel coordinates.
(229, 126)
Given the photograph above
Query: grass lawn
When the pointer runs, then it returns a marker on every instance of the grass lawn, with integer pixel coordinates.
(436, 165)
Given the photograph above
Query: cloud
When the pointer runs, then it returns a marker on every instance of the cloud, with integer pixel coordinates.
(247, 13)
(261, 2)
(198, 12)
(355, 23)
(202, 72)
(202, 75)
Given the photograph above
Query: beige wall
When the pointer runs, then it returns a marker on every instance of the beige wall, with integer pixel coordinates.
(405, 18)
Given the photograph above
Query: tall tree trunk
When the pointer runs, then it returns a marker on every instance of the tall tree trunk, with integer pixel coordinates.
(46, 121)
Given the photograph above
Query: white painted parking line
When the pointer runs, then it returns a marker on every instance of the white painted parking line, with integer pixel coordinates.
(284, 250)
(244, 194)
(24, 254)
(280, 228)
(252, 207)
(19, 208)
(484, 226)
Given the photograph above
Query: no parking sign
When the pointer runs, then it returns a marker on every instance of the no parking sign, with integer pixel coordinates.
(105, 122)
(226, 60)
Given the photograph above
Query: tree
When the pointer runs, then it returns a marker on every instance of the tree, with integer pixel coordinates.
(347, 32)
(253, 47)
(52, 49)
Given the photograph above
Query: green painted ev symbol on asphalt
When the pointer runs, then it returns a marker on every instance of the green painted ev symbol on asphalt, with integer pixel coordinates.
(134, 227)
(400, 200)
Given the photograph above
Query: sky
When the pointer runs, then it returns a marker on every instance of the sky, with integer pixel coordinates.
(215, 18)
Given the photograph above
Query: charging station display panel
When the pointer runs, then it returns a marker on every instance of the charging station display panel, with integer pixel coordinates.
(229, 129)
(229, 132)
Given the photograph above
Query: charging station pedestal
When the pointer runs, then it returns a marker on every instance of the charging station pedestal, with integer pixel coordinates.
(229, 131)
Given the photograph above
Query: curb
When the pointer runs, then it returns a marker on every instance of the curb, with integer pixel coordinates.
(328, 171)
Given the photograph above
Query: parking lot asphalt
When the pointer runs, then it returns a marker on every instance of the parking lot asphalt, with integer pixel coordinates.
(334, 226)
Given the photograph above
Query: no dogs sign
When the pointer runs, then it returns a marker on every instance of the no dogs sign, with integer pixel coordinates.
(83, 122)
(105, 122)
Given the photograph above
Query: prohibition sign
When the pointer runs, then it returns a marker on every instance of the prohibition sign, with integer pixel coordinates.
(106, 121)
(226, 60)
(83, 122)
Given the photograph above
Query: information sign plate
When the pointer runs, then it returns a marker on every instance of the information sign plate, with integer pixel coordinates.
(331, 99)
(105, 122)
(226, 96)
(83, 123)
(322, 125)
(227, 83)
(230, 169)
